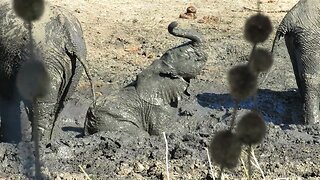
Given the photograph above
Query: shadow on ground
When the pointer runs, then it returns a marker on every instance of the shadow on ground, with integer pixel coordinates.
(278, 107)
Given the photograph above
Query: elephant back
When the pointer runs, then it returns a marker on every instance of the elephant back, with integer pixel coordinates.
(303, 15)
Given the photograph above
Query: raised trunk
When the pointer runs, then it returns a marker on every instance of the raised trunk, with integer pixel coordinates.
(193, 36)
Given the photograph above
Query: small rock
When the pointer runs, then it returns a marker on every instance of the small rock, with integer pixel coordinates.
(2, 153)
(138, 167)
(138, 176)
(191, 9)
(125, 170)
(64, 152)
(188, 137)
(189, 14)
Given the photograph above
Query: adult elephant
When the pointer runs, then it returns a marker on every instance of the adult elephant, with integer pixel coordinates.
(301, 30)
(58, 41)
(147, 105)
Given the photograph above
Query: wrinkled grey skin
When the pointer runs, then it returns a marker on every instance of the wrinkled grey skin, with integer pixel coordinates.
(301, 30)
(59, 42)
(147, 105)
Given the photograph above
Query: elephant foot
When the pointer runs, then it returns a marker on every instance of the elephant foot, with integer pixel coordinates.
(43, 133)
(43, 127)
(312, 119)
(311, 112)
(90, 126)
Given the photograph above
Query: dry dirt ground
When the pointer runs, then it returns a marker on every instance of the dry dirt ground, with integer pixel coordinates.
(125, 36)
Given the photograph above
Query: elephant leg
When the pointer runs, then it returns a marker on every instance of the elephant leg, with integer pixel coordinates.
(293, 51)
(10, 127)
(52, 105)
(311, 99)
(67, 88)
(46, 108)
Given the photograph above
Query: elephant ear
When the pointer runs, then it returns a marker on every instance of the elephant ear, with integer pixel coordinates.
(160, 89)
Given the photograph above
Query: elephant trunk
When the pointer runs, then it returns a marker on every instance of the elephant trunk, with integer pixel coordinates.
(193, 36)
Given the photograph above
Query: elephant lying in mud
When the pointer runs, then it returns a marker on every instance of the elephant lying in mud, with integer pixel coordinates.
(301, 30)
(147, 105)
(59, 42)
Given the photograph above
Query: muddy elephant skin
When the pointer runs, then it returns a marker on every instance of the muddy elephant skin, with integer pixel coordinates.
(147, 105)
(59, 42)
(301, 30)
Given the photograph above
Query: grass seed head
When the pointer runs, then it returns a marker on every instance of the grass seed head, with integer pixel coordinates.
(242, 82)
(29, 10)
(261, 60)
(33, 80)
(257, 28)
(251, 128)
(225, 149)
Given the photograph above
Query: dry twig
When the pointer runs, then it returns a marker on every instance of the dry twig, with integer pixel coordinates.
(254, 162)
(167, 156)
(210, 165)
(84, 172)
(270, 11)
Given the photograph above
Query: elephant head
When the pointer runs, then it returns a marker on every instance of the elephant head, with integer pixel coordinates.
(168, 77)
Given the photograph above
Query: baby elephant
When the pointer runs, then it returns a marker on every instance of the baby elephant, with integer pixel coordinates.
(301, 30)
(147, 105)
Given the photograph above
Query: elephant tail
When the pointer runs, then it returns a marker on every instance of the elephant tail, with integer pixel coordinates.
(277, 37)
(92, 85)
(286, 26)
(193, 36)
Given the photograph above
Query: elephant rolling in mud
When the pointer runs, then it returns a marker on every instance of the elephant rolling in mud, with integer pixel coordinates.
(301, 30)
(146, 106)
(59, 43)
